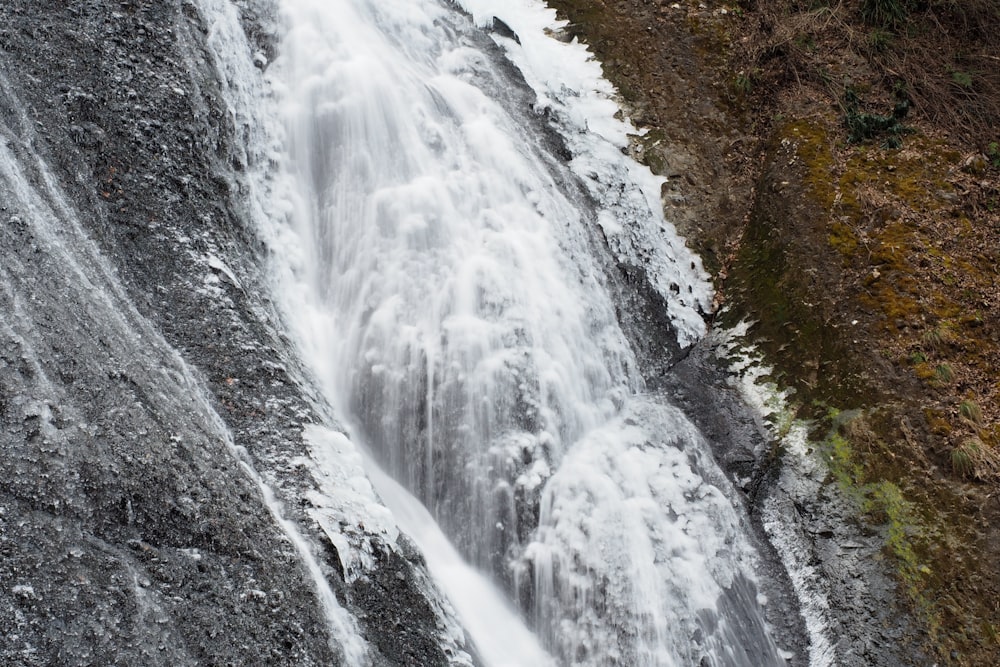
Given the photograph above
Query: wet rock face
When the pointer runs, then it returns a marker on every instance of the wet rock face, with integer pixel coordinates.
(128, 532)
(137, 353)
(836, 559)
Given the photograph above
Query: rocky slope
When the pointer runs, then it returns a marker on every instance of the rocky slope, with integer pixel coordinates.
(149, 404)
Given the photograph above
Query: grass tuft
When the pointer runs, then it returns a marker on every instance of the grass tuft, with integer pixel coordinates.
(961, 461)
(944, 373)
(970, 412)
(885, 14)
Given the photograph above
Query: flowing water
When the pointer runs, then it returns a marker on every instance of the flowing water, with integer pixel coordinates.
(460, 198)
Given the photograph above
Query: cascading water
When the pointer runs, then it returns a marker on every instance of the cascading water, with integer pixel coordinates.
(453, 297)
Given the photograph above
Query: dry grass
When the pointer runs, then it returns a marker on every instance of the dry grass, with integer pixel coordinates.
(949, 59)
(944, 56)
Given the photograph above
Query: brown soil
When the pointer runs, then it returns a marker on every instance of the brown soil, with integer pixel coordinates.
(870, 263)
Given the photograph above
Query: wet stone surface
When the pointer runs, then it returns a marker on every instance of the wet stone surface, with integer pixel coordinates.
(130, 532)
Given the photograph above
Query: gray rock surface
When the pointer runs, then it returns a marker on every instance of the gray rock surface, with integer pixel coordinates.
(823, 572)
(142, 372)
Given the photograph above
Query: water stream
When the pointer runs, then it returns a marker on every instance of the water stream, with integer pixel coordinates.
(451, 291)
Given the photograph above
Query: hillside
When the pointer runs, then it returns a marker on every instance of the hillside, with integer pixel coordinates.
(838, 168)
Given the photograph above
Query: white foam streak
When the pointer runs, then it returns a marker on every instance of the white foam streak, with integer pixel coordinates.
(493, 624)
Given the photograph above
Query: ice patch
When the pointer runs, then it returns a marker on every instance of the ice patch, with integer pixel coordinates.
(570, 85)
(632, 534)
(344, 503)
(218, 265)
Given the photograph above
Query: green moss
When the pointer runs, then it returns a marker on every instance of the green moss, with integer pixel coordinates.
(840, 458)
(886, 502)
(937, 422)
(813, 146)
(913, 529)
(767, 278)
(843, 238)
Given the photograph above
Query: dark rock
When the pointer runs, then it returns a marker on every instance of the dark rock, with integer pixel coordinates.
(130, 531)
(504, 30)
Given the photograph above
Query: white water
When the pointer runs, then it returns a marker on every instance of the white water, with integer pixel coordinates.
(448, 286)
(492, 623)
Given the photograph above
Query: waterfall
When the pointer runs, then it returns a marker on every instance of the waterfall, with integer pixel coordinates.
(452, 290)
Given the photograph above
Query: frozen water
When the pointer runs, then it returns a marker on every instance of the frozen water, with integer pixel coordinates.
(445, 273)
